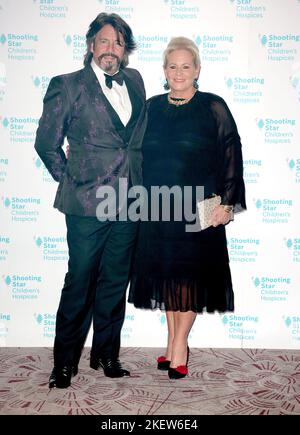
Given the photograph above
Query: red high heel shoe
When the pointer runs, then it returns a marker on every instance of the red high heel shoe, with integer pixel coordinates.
(163, 363)
(180, 371)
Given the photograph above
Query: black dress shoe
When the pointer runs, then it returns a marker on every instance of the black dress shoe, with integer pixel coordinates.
(61, 376)
(112, 367)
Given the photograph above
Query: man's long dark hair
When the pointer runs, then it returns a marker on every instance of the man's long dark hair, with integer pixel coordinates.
(119, 25)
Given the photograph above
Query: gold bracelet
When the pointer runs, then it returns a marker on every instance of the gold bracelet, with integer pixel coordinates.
(228, 208)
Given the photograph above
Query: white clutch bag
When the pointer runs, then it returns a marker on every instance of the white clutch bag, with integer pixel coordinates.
(205, 209)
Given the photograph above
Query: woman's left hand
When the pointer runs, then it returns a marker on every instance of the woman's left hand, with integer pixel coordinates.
(220, 216)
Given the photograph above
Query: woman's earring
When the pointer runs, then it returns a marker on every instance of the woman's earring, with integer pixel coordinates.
(195, 84)
(166, 85)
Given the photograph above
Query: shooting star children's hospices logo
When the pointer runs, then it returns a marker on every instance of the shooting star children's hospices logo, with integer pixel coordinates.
(249, 9)
(21, 129)
(294, 166)
(20, 46)
(23, 287)
(293, 245)
(52, 248)
(215, 47)
(47, 323)
(182, 9)
(245, 90)
(4, 165)
(241, 328)
(293, 325)
(274, 211)
(39, 165)
(123, 7)
(280, 47)
(22, 209)
(5, 243)
(272, 288)
(52, 9)
(77, 44)
(277, 130)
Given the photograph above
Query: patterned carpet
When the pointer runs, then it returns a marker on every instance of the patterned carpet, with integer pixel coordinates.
(220, 381)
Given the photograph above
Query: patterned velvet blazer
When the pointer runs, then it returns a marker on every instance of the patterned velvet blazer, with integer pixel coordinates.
(102, 149)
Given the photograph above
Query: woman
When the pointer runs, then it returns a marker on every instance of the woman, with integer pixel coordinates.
(191, 140)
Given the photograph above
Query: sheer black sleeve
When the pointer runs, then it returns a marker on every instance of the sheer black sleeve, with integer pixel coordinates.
(231, 185)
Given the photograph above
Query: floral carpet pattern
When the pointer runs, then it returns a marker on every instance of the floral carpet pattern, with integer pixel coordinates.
(220, 382)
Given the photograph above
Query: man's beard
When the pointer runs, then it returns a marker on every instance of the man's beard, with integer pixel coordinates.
(109, 66)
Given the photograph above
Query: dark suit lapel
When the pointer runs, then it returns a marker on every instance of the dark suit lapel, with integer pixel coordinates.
(102, 105)
(136, 98)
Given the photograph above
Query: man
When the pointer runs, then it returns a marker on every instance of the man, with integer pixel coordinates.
(101, 111)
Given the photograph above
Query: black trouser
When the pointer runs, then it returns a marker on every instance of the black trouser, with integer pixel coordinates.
(100, 256)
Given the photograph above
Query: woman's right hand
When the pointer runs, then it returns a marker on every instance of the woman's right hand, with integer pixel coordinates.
(220, 216)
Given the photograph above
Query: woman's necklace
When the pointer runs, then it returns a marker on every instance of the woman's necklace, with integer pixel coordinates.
(178, 101)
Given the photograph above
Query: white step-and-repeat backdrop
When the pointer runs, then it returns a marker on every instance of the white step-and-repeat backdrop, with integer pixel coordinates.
(250, 52)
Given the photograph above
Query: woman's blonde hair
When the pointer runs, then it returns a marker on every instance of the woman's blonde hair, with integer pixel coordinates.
(182, 43)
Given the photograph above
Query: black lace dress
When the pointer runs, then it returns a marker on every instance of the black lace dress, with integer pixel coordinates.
(196, 144)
